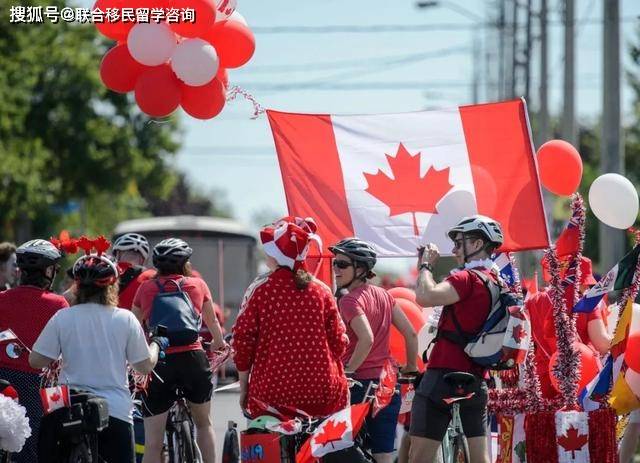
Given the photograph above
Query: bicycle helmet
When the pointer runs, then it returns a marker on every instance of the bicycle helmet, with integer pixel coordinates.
(262, 422)
(481, 224)
(172, 251)
(37, 254)
(357, 250)
(132, 242)
(95, 270)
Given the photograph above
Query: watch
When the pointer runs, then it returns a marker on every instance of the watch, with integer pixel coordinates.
(426, 265)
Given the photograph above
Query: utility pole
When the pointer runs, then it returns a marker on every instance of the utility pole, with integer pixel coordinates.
(544, 134)
(612, 241)
(569, 128)
(514, 49)
(527, 55)
(501, 49)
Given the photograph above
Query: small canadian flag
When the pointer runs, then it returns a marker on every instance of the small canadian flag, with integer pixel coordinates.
(7, 335)
(54, 398)
(335, 433)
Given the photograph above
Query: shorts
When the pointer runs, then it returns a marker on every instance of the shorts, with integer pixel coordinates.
(189, 372)
(430, 416)
(379, 432)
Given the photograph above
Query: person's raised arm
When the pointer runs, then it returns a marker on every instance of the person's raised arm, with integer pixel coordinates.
(428, 292)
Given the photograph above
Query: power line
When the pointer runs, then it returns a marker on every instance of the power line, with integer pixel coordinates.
(378, 28)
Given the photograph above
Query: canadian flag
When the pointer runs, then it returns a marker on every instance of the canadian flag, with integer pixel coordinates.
(517, 335)
(386, 388)
(398, 180)
(54, 398)
(572, 436)
(335, 433)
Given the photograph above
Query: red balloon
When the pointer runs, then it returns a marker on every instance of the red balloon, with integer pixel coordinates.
(205, 17)
(119, 71)
(204, 102)
(116, 30)
(589, 366)
(223, 76)
(632, 352)
(234, 43)
(396, 340)
(158, 91)
(403, 293)
(559, 167)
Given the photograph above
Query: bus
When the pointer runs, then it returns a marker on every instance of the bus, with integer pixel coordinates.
(224, 251)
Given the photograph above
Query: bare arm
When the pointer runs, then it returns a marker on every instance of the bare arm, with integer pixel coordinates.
(598, 336)
(146, 366)
(360, 326)
(39, 361)
(402, 323)
(210, 319)
(428, 292)
(243, 377)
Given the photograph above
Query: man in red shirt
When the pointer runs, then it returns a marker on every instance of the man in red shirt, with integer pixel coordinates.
(465, 299)
(25, 310)
(131, 251)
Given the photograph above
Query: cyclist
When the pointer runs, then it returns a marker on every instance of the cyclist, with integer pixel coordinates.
(131, 251)
(289, 338)
(369, 311)
(96, 340)
(185, 366)
(8, 267)
(26, 309)
(467, 301)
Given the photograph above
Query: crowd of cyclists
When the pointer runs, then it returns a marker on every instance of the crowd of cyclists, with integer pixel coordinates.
(298, 344)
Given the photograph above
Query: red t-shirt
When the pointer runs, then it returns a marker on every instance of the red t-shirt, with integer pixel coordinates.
(377, 305)
(26, 310)
(196, 288)
(471, 312)
(125, 299)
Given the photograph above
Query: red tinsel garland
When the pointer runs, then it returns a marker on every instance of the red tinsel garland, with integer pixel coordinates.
(540, 429)
(602, 436)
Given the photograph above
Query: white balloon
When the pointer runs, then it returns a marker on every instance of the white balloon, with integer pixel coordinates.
(151, 44)
(236, 16)
(225, 8)
(614, 200)
(195, 62)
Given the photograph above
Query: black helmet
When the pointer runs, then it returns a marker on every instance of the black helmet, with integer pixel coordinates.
(356, 249)
(95, 270)
(37, 254)
(171, 252)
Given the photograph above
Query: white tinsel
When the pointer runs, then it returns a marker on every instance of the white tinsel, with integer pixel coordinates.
(14, 425)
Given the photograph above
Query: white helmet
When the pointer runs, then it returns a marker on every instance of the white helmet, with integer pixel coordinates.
(132, 242)
(481, 224)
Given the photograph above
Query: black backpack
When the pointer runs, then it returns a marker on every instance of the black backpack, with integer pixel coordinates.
(175, 310)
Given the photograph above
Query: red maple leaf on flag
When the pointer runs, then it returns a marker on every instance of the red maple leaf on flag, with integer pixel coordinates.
(288, 426)
(407, 191)
(55, 396)
(573, 441)
(518, 333)
(331, 432)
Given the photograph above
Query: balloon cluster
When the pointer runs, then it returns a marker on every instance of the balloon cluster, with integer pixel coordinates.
(180, 61)
(612, 197)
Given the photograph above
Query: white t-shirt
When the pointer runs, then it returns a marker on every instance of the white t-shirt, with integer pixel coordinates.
(96, 342)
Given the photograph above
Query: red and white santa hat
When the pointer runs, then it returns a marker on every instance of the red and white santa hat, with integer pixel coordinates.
(287, 240)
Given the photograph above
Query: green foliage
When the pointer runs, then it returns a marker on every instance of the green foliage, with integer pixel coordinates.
(64, 137)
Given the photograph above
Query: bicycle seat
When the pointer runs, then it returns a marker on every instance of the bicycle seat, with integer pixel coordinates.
(459, 379)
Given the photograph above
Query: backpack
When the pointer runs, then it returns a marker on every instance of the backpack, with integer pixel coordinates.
(175, 310)
(128, 276)
(491, 347)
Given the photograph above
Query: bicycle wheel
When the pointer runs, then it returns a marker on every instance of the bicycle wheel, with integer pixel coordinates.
(186, 444)
(460, 450)
(80, 454)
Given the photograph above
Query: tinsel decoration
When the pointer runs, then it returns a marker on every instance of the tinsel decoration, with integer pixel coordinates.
(540, 429)
(50, 375)
(531, 380)
(233, 93)
(14, 425)
(603, 445)
(517, 283)
(566, 369)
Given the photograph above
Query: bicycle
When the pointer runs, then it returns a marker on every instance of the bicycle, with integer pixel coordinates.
(455, 448)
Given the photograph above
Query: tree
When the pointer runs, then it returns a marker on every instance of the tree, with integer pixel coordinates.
(64, 137)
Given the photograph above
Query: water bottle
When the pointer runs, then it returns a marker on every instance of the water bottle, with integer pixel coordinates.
(231, 447)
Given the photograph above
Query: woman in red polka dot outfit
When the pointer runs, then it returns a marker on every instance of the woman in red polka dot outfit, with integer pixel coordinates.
(289, 337)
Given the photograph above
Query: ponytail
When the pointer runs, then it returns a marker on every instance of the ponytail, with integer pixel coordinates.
(302, 278)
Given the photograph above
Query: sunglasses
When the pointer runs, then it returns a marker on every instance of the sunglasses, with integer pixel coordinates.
(342, 264)
(457, 243)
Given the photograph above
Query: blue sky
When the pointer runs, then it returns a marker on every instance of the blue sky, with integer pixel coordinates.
(234, 154)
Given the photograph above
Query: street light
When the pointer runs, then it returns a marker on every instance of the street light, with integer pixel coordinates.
(475, 38)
